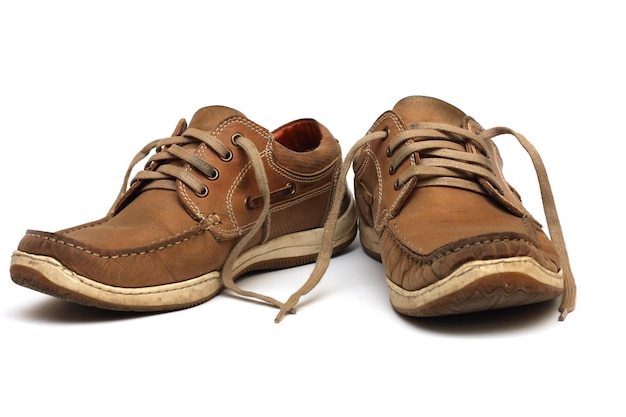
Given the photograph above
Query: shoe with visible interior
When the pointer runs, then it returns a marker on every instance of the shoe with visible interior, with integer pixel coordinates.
(222, 196)
(452, 234)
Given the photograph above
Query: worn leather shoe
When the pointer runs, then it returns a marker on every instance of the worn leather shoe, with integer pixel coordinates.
(452, 234)
(220, 197)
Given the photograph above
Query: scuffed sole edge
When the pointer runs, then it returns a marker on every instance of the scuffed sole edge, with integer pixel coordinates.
(49, 276)
(479, 286)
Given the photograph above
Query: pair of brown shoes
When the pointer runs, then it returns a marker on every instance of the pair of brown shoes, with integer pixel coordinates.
(223, 196)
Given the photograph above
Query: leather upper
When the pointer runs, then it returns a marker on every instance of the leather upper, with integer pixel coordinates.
(159, 236)
(428, 232)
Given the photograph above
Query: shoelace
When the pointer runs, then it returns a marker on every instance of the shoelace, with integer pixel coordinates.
(166, 174)
(445, 162)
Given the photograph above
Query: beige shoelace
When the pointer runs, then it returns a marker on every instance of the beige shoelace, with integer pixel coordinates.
(166, 174)
(445, 161)
(448, 163)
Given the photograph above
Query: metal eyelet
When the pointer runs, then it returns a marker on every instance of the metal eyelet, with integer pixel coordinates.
(392, 170)
(214, 175)
(228, 157)
(292, 188)
(235, 137)
(203, 193)
(397, 185)
(388, 152)
(386, 130)
(246, 203)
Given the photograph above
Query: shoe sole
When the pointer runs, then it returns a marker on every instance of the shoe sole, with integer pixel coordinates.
(476, 286)
(47, 275)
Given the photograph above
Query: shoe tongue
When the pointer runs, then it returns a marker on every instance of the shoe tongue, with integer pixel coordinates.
(416, 109)
(208, 118)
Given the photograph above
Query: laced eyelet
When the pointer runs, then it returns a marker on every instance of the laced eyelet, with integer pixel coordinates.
(388, 152)
(228, 157)
(235, 137)
(392, 170)
(386, 130)
(214, 175)
(203, 193)
(247, 204)
(397, 185)
(292, 188)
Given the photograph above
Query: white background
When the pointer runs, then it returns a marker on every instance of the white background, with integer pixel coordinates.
(84, 85)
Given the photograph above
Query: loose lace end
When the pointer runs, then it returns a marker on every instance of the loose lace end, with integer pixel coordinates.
(288, 307)
(565, 310)
(283, 311)
(568, 303)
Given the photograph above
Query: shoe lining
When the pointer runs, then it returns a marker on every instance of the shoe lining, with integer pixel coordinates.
(299, 136)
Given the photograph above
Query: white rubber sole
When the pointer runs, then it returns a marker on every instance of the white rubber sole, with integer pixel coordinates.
(47, 275)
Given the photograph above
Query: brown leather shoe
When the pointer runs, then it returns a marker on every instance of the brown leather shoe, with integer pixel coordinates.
(221, 197)
(452, 234)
